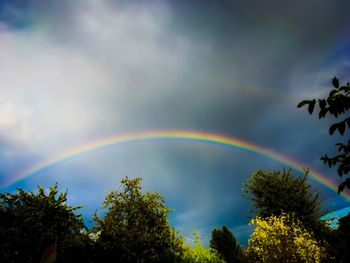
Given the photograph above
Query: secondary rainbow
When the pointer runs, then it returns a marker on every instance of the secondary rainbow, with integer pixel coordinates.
(199, 136)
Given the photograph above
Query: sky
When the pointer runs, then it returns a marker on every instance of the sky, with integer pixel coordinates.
(75, 72)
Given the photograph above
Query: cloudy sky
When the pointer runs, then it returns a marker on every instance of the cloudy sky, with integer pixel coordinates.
(75, 71)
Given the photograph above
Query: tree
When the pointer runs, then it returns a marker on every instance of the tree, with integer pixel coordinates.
(342, 239)
(336, 105)
(30, 222)
(199, 254)
(275, 192)
(282, 239)
(223, 241)
(135, 227)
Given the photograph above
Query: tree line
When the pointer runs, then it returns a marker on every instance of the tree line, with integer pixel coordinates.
(135, 227)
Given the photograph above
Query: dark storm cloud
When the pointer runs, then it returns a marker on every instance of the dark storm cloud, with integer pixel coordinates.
(268, 37)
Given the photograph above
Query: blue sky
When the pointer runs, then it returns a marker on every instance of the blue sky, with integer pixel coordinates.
(74, 71)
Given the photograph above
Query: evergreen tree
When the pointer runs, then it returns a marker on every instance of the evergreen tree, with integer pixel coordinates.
(275, 192)
(224, 242)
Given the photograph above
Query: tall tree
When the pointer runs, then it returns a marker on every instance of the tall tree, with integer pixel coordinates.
(135, 227)
(224, 242)
(30, 222)
(337, 104)
(275, 192)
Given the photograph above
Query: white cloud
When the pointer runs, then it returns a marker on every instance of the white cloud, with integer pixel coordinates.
(105, 72)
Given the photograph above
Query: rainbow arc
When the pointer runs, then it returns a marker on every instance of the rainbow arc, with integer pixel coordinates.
(194, 136)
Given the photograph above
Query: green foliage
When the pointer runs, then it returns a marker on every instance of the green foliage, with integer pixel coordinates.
(223, 241)
(273, 193)
(342, 239)
(135, 227)
(282, 239)
(80, 248)
(29, 222)
(200, 254)
(337, 104)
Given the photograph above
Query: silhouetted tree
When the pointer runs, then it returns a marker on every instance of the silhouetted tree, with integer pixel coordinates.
(275, 192)
(29, 222)
(224, 242)
(336, 105)
(342, 239)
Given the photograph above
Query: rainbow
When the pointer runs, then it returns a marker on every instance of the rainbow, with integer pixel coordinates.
(196, 136)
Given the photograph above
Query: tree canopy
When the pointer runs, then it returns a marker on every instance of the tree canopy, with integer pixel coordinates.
(277, 192)
(29, 222)
(336, 105)
(283, 238)
(342, 239)
(135, 227)
(201, 254)
(224, 242)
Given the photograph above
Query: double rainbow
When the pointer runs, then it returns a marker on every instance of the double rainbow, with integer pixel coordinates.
(194, 136)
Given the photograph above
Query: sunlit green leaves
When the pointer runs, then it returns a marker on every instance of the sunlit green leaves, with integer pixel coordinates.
(135, 227)
(283, 239)
(200, 254)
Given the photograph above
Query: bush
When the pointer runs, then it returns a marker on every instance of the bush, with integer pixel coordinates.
(282, 239)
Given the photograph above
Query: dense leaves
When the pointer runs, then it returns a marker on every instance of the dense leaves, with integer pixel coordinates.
(336, 105)
(275, 192)
(200, 254)
(283, 239)
(341, 240)
(224, 242)
(135, 226)
(29, 222)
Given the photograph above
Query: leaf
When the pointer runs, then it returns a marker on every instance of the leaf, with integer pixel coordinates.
(341, 127)
(333, 128)
(347, 182)
(322, 113)
(335, 82)
(344, 88)
(322, 104)
(303, 103)
(340, 147)
(348, 122)
(340, 171)
(341, 188)
(311, 106)
(333, 93)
